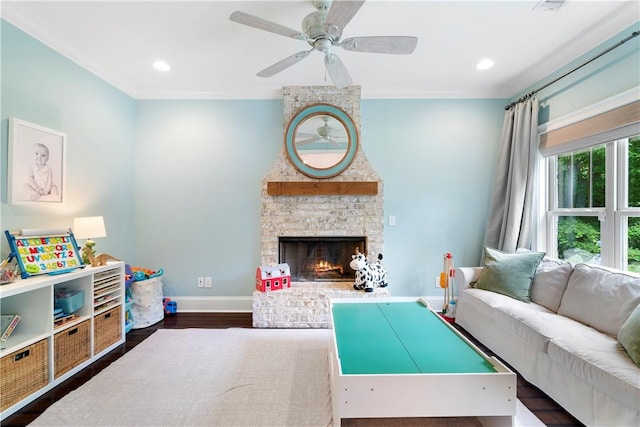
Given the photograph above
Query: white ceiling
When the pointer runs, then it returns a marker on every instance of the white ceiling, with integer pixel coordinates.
(214, 58)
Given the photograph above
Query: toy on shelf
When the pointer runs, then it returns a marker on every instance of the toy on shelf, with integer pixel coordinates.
(273, 278)
(96, 260)
(44, 251)
(8, 271)
(9, 322)
(368, 276)
(140, 273)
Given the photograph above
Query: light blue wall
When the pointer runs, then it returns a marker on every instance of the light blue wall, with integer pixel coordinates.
(43, 87)
(179, 181)
(437, 159)
(200, 165)
(198, 180)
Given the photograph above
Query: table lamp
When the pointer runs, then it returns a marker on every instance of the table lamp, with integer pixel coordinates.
(89, 228)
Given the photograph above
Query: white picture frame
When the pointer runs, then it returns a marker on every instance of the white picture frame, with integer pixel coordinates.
(36, 163)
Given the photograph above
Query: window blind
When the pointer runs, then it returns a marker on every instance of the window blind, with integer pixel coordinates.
(618, 123)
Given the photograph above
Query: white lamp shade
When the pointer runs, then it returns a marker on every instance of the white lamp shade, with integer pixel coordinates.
(89, 227)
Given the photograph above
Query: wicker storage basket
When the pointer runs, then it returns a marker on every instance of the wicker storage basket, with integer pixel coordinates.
(107, 329)
(71, 347)
(22, 373)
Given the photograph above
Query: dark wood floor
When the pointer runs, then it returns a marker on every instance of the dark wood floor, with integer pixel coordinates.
(546, 409)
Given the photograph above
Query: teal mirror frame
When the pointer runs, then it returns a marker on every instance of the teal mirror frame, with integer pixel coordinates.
(311, 111)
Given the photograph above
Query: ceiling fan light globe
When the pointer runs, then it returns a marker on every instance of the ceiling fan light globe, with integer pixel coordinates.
(323, 45)
(313, 24)
(325, 130)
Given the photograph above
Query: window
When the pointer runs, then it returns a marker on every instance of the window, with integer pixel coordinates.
(593, 204)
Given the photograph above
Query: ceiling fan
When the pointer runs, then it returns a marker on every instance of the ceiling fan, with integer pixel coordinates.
(322, 29)
(326, 132)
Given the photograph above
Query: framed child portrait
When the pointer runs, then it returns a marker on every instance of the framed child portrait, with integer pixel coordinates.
(36, 163)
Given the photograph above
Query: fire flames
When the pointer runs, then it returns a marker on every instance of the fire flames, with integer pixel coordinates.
(326, 267)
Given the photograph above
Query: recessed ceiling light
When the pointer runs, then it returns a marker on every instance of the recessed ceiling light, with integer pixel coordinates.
(161, 66)
(549, 5)
(485, 64)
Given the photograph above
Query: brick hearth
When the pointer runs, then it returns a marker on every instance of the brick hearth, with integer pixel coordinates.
(304, 305)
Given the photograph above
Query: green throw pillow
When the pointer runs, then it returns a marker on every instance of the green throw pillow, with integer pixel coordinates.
(509, 274)
(629, 335)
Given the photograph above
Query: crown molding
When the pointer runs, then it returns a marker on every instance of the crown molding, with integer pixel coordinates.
(12, 13)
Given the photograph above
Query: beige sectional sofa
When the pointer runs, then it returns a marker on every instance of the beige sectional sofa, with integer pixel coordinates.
(565, 341)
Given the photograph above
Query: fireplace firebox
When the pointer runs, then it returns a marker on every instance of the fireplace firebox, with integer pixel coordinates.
(320, 259)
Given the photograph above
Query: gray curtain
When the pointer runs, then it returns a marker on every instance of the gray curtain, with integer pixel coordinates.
(510, 224)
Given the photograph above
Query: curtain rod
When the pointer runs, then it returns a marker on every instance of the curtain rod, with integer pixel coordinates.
(533, 92)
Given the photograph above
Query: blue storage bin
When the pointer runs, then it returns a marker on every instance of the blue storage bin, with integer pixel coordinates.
(69, 300)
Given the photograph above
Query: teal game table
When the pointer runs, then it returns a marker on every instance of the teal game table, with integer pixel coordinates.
(397, 357)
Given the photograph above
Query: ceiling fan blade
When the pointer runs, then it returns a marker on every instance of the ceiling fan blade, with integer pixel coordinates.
(335, 141)
(263, 24)
(337, 71)
(284, 64)
(305, 135)
(309, 140)
(340, 14)
(381, 44)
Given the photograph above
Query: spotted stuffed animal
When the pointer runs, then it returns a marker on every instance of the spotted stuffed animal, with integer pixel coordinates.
(368, 276)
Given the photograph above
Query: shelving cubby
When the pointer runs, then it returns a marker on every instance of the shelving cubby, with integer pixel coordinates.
(80, 284)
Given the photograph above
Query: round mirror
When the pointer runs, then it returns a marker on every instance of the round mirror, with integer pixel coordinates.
(321, 141)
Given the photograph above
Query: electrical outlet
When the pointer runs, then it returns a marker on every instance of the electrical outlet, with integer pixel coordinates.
(207, 282)
(201, 282)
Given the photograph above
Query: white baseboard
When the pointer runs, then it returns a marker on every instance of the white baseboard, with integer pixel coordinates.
(435, 302)
(243, 304)
(214, 304)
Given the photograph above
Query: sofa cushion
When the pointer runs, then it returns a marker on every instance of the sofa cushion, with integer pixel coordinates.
(483, 301)
(550, 282)
(600, 297)
(509, 274)
(629, 335)
(534, 324)
(599, 360)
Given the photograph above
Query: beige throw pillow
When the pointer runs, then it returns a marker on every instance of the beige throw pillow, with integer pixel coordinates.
(550, 282)
(600, 297)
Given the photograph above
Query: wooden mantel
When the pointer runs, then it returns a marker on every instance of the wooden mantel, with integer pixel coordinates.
(321, 188)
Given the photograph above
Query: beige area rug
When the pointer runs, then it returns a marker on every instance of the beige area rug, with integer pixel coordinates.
(221, 377)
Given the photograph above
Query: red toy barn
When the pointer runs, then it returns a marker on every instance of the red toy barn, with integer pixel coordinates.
(270, 278)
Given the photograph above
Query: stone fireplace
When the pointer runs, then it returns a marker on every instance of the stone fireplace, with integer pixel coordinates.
(321, 215)
(331, 215)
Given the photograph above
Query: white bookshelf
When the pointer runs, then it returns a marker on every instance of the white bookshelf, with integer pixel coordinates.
(33, 300)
